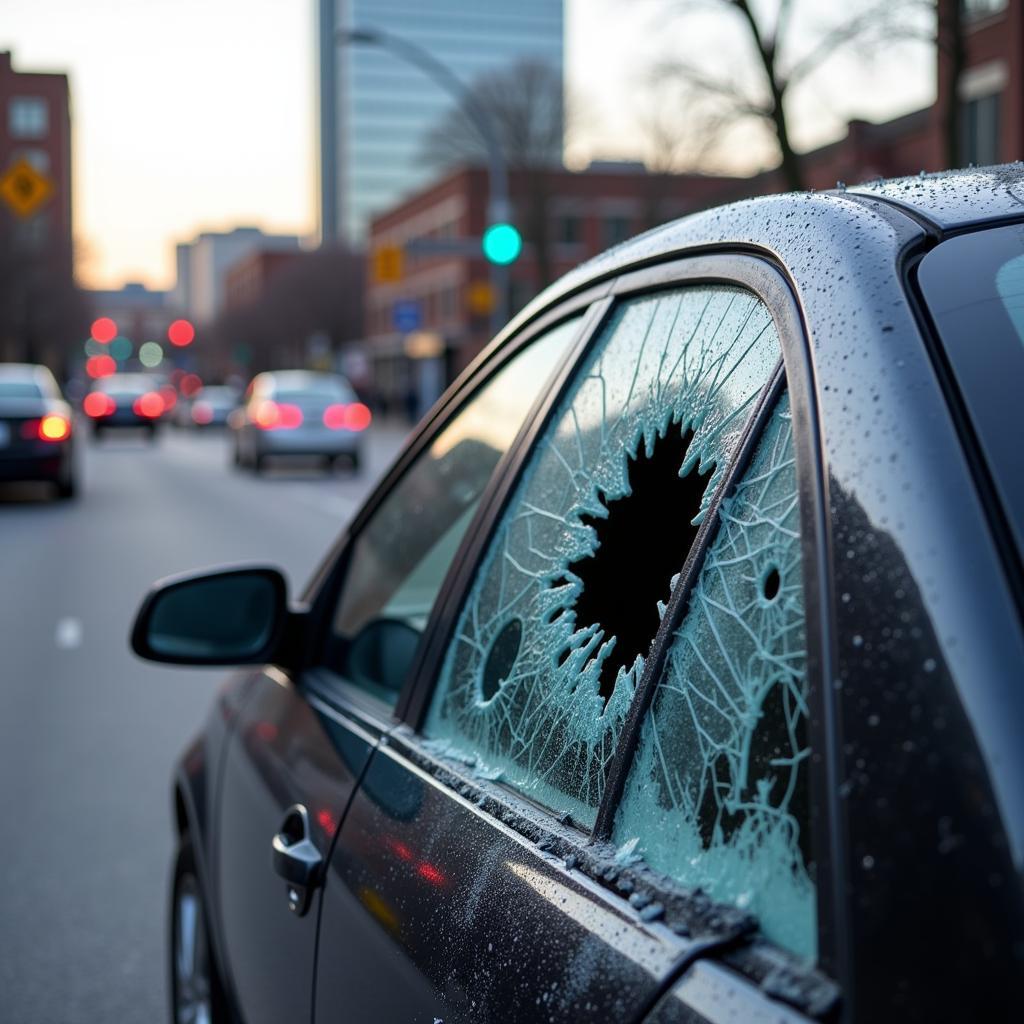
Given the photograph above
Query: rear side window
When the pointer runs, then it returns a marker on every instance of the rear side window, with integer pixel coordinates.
(551, 641)
(718, 794)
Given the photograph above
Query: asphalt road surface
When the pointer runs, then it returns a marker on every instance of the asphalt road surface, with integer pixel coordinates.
(88, 733)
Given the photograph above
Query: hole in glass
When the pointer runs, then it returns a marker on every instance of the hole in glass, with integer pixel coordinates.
(771, 584)
(500, 659)
(641, 545)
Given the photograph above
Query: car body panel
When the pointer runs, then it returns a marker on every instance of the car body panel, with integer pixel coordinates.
(708, 994)
(282, 750)
(23, 454)
(436, 909)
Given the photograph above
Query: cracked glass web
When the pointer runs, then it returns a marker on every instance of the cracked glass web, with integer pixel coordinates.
(717, 795)
(519, 689)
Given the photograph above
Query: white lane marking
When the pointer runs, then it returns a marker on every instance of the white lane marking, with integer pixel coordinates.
(68, 633)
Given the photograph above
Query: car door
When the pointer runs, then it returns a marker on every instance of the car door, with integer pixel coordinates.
(300, 743)
(481, 873)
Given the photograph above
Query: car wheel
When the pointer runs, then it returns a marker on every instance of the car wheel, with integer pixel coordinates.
(196, 993)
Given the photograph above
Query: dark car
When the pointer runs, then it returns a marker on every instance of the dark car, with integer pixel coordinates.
(36, 428)
(674, 672)
(208, 407)
(125, 400)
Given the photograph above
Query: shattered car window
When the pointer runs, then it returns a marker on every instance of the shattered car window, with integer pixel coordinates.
(550, 644)
(718, 794)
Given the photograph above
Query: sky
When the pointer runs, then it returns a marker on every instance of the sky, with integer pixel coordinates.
(193, 115)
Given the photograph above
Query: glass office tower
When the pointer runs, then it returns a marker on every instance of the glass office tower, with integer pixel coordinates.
(375, 109)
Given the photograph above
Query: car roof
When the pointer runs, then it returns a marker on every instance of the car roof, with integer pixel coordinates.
(956, 199)
(810, 232)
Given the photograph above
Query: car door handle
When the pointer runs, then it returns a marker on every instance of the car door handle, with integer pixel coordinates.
(296, 858)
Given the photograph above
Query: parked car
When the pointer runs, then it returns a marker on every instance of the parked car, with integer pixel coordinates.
(299, 413)
(36, 428)
(209, 407)
(125, 400)
(674, 671)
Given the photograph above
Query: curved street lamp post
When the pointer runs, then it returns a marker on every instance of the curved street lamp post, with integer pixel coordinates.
(498, 210)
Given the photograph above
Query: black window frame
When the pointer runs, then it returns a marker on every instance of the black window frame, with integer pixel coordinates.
(762, 276)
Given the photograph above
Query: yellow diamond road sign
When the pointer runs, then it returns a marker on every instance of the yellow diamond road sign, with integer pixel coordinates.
(25, 189)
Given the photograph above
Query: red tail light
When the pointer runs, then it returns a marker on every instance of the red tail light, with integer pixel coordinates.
(277, 416)
(202, 413)
(150, 405)
(98, 404)
(355, 416)
(54, 428)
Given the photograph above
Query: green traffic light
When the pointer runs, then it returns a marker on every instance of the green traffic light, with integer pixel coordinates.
(502, 244)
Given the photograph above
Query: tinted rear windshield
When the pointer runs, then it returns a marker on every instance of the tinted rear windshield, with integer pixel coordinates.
(19, 389)
(973, 286)
(329, 391)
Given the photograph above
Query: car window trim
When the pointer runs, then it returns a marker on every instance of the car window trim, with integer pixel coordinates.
(758, 273)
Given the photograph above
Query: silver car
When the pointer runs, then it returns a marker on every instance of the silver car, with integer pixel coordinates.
(296, 412)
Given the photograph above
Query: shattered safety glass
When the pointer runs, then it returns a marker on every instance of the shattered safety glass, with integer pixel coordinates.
(551, 641)
(717, 796)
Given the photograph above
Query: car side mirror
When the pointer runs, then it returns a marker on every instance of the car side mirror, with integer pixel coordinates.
(382, 654)
(225, 617)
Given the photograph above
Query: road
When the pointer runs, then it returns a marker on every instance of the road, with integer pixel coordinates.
(88, 734)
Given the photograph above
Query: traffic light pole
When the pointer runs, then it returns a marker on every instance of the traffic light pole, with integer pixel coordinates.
(498, 209)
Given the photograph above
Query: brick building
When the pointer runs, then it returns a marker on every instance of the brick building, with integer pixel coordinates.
(35, 127)
(246, 281)
(991, 86)
(39, 305)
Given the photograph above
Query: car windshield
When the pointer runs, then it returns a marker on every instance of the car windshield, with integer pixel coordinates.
(19, 389)
(974, 287)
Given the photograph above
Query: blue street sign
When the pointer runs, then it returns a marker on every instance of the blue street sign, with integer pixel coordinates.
(406, 315)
